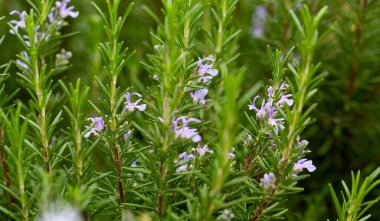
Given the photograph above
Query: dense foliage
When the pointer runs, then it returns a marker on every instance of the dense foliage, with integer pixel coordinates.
(189, 110)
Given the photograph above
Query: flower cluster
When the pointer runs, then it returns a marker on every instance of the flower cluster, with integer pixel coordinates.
(268, 110)
(185, 157)
(56, 16)
(61, 11)
(182, 130)
(99, 123)
(205, 74)
(268, 181)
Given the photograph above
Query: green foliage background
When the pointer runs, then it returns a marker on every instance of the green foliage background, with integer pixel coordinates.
(346, 134)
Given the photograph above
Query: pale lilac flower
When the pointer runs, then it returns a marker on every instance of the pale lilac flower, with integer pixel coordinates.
(185, 156)
(284, 86)
(199, 96)
(18, 24)
(155, 77)
(134, 163)
(132, 106)
(65, 11)
(203, 150)
(258, 20)
(61, 11)
(260, 113)
(275, 122)
(183, 131)
(182, 168)
(270, 91)
(268, 181)
(205, 70)
(21, 63)
(304, 164)
(300, 142)
(285, 100)
(127, 134)
(98, 126)
(231, 155)
(227, 215)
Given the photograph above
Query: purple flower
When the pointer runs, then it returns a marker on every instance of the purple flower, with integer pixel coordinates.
(304, 164)
(199, 96)
(270, 91)
(134, 163)
(185, 156)
(205, 70)
(21, 63)
(258, 19)
(284, 86)
(132, 106)
(203, 150)
(182, 168)
(98, 126)
(181, 129)
(231, 155)
(61, 11)
(65, 11)
(268, 181)
(275, 122)
(18, 24)
(127, 134)
(285, 99)
(260, 113)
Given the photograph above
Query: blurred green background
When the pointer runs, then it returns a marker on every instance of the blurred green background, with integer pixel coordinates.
(346, 132)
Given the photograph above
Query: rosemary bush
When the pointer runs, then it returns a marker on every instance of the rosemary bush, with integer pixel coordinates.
(187, 109)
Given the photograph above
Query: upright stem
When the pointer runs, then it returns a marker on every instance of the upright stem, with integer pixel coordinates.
(5, 167)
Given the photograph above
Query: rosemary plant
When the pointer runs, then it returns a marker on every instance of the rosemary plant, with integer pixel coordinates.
(176, 128)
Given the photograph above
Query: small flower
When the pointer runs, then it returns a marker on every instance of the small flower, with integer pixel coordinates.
(183, 131)
(18, 24)
(268, 181)
(181, 168)
(132, 106)
(21, 63)
(275, 122)
(285, 99)
(203, 150)
(65, 11)
(61, 11)
(60, 213)
(258, 19)
(127, 134)
(226, 215)
(199, 96)
(231, 155)
(98, 126)
(185, 157)
(260, 113)
(284, 86)
(134, 163)
(304, 164)
(270, 91)
(204, 69)
(63, 57)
